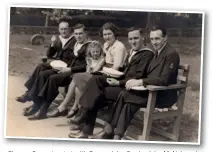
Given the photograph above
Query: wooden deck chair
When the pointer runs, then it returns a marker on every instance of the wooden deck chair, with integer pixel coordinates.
(151, 113)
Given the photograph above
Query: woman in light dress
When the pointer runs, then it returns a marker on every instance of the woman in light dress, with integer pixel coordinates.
(115, 55)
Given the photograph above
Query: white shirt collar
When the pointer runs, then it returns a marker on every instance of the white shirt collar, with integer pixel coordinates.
(64, 40)
(111, 46)
(159, 51)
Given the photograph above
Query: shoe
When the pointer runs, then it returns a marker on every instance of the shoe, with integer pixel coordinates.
(117, 137)
(103, 135)
(80, 134)
(79, 119)
(38, 116)
(57, 113)
(23, 98)
(75, 116)
(75, 131)
(28, 108)
(41, 114)
(76, 127)
(69, 121)
(31, 111)
(72, 113)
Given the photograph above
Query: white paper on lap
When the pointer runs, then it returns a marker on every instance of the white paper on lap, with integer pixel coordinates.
(58, 64)
(140, 88)
(112, 72)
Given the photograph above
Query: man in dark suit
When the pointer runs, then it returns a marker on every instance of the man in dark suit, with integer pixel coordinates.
(162, 71)
(101, 88)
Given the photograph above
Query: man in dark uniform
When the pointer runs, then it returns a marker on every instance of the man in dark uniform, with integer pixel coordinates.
(45, 88)
(162, 71)
(56, 50)
(101, 88)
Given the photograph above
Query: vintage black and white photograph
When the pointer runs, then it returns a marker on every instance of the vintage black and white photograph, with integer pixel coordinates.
(104, 74)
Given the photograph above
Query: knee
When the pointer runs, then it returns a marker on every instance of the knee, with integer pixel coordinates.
(53, 78)
(97, 78)
(41, 65)
(93, 79)
(42, 74)
(123, 93)
(71, 85)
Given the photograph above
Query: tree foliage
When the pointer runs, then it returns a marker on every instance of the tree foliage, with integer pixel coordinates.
(144, 19)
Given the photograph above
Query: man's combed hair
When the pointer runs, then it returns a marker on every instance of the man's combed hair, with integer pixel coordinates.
(65, 19)
(134, 28)
(157, 27)
(79, 26)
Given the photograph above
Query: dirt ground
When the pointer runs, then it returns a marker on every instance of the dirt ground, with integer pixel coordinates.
(24, 57)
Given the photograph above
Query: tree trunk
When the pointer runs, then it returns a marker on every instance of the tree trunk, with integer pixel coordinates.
(46, 20)
(148, 26)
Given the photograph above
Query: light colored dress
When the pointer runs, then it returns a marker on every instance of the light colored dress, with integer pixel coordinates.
(81, 79)
(115, 54)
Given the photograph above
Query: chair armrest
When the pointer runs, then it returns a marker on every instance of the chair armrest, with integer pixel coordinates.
(170, 87)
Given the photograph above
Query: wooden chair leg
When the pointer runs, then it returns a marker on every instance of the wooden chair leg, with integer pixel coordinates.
(176, 127)
(147, 127)
(177, 120)
(148, 116)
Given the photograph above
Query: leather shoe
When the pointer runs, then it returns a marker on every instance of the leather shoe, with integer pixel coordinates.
(80, 134)
(23, 98)
(80, 118)
(57, 113)
(37, 116)
(31, 111)
(76, 127)
(103, 135)
(117, 137)
(41, 114)
(28, 108)
(72, 113)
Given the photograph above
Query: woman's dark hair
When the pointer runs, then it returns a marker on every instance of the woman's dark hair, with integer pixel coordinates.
(156, 27)
(109, 26)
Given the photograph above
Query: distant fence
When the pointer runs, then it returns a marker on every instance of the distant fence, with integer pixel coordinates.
(172, 32)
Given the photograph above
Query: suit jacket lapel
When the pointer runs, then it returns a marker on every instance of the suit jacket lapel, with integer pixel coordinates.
(156, 62)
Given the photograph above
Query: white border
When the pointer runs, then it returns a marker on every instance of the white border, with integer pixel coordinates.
(114, 9)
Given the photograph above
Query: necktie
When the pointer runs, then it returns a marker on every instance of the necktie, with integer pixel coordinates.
(156, 55)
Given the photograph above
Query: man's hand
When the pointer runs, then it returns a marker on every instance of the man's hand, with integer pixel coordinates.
(133, 83)
(53, 40)
(112, 82)
(64, 70)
